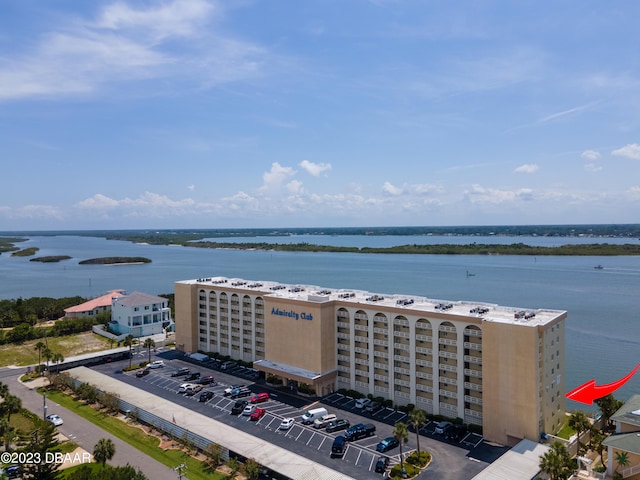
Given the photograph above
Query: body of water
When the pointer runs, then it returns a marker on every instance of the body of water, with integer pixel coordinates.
(603, 305)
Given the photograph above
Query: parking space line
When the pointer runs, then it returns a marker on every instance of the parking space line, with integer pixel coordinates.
(311, 438)
(301, 432)
(321, 443)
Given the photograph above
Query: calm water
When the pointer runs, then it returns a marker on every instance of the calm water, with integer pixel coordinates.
(604, 305)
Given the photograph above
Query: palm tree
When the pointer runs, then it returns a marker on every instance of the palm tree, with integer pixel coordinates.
(556, 462)
(4, 390)
(40, 346)
(149, 344)
(128, 342)
(11, 405)
(417, 420)
(401, 433)
(580, 423)
(58, 358)
(47, 354)
(622, 460)
(104, 450)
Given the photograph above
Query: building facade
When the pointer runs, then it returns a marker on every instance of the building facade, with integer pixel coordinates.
(140, 314)
(499, 367)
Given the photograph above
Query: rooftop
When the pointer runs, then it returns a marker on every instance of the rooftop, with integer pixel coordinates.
(629, 413)
(102, 301)
(311, 293)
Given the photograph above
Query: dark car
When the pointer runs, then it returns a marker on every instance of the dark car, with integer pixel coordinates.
(238, 407)
(373, 407)
(456, 433)
(382, 464)
(241, 392)
(359, 431)
(206, 395)
(193, 376)
(12, 471)
(143, 372)
(336, 425)
(338, 447)
(387, 444)
(207, 379)
(181, 372)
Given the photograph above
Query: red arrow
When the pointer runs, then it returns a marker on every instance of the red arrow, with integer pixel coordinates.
(588, 392)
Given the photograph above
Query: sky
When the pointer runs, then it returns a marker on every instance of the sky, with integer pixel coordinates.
(269, 113)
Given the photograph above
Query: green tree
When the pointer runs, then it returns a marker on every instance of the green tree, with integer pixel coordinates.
(104, 450)
(58, 358)
(11, 405)
(48, 355)
(417, 420)
(608, 405)
(252, 469)
(40, 346)
(580, 423)
(128, 342)
(401, 433)
(556, 462)
(42, 440)
(149, 343)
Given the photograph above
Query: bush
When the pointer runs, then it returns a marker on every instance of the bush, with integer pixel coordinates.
(308, 389)
(396, 471)
(418, 461)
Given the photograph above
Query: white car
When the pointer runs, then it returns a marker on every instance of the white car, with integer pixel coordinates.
(55, 419)
(156, 364)
(248, 410)
(184, 387)
(286, 424)
(362, 402)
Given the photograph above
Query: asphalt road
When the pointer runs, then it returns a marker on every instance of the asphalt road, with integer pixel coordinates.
(83, 432)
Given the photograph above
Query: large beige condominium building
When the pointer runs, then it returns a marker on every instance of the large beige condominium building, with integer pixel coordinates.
(499, 367)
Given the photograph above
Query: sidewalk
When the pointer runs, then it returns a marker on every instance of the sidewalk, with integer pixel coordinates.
(82, 432)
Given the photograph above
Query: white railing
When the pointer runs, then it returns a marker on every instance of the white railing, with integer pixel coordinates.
(630, 471)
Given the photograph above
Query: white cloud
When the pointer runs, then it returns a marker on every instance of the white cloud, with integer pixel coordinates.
(390, 189)
(590, 154)
(171, 19)
(315, 169)
(275, 177)
(634, 192)
(126, 44)
(295, 186)
(631, 150)
(479, 195)
(527, 168)
(98, 201)
(191, 188)
(592, 167)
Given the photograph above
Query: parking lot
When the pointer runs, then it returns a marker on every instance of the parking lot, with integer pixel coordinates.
(359, 457)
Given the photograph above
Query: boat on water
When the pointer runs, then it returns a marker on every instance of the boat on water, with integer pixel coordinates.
(599, 267)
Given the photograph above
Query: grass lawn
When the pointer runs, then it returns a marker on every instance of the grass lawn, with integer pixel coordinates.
(135, 437)
(566, 431)
(25, 353)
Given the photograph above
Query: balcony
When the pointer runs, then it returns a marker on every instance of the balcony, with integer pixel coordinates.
(473, 346)
(474, 400)
(473, 373)
(472, 359)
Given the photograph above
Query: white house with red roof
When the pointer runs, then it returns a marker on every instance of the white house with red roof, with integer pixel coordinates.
(140, 314)
(93, 307)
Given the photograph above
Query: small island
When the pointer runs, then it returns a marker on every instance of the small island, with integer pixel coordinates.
(51, 258)
(25, 252)
(115, 261)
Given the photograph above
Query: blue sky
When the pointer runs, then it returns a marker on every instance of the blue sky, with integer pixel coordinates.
(212, 114)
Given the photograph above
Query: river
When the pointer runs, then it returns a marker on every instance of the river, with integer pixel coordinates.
(603, 304)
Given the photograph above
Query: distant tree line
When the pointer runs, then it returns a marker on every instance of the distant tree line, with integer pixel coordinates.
(34, 310)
